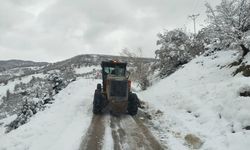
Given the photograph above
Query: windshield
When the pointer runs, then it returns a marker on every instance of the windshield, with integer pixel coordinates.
(118, 71)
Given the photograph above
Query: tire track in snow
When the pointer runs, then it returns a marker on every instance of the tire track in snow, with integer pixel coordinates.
(117, 133)
(107, 132)
(93, 140)
(129, 133)
(154, 144)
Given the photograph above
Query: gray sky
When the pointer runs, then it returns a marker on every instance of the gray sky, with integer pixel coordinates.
(52, 30)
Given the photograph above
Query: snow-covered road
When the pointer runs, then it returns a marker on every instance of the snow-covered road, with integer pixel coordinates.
(107, 132)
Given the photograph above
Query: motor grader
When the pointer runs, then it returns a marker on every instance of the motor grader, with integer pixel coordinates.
(114, 94)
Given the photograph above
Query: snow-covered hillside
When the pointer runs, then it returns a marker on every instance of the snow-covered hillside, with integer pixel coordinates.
(11, 85)
(203, 99)
(85, 69)
(59, 127)
(19, 71)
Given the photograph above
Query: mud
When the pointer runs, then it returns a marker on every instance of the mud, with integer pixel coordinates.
(94, 137)
(128, 133)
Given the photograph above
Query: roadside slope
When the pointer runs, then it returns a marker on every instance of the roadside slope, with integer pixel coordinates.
(59, 127)
(203, 99)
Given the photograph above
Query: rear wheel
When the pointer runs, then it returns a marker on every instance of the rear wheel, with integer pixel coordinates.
(132, 104)
(98, 100)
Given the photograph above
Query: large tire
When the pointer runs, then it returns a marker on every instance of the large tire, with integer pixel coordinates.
(98, 102)
(132, 104)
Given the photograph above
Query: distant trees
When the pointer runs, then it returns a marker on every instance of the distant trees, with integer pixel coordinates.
(5, 82)
(139, 70)
(28, 109)
(230, 23)
(32, 97)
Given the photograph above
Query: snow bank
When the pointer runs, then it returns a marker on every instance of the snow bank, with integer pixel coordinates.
(59, 127)
(203, 99)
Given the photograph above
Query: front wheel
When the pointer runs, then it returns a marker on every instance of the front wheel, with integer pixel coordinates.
(132, 104)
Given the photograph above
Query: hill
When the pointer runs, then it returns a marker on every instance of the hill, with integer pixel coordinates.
(10, 64)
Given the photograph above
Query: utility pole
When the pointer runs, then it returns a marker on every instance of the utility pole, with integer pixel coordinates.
(193, 17)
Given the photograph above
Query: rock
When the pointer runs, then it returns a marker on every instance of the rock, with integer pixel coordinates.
(158, 112)
(247, 128)
(196, 115)
(193, 141)
(149, 116)
(245, 69)
(143, 104)
(245, 93)
(177, 134)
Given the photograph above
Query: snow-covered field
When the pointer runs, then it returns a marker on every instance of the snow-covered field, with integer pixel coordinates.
(203, 99)
(59, 127)
(18, 71)
(11, 84)
(85, 69)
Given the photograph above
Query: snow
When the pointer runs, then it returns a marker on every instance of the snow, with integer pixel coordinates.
(86, 69)
(6, 121)
(202, 98)
(247, 57)
(206, 88)
(19, 71)
(61, 126)
(108, 142)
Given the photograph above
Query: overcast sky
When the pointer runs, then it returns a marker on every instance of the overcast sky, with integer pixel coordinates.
(53, 30)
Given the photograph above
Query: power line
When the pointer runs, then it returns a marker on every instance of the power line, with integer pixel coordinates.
(193, 17)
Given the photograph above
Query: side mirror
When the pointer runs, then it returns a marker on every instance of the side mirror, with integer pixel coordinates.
(127, 74)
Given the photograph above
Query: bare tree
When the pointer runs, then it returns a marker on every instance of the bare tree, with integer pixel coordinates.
(140, 70)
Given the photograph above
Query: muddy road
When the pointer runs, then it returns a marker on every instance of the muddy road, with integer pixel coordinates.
(126, 133)
(94, 137)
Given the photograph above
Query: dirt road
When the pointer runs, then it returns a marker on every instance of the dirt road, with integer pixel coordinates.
(128, 133)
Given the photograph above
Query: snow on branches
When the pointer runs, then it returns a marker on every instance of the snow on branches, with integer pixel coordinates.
(230, 22)
(173, 51)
